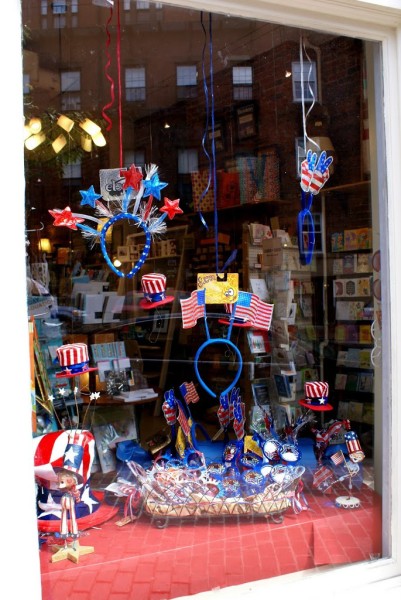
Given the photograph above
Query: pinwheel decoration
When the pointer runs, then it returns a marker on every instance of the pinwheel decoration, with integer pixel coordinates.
(314, 174)
(134, 189)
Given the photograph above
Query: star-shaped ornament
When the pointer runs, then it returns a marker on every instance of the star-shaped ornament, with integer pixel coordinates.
(65, 218)
(171, 207)
(89, 197)
(153, 186)
(132, 176)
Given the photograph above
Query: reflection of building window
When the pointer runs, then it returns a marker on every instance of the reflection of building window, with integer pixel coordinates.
(43, 7)
(140, 5)
(74, 6)
(26, 83)
(187, 161)
(72, 170)
(70, 90)
(135, 86)
(242, 83)
(135, 157)
(304, 76)
(59, 7)
(186, 81)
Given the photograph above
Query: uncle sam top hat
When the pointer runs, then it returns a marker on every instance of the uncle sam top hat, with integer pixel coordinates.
(154, 290)
(316, 396)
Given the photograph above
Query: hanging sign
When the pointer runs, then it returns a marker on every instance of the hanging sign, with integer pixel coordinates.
(220, 288)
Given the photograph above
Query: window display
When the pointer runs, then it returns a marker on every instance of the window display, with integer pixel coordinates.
(221, 375)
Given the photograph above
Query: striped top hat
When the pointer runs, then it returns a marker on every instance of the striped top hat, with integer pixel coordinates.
(316, 396)
(154, 290)
(74, 358)
(74, 455)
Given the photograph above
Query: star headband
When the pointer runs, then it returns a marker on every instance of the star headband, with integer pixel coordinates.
(135, 189)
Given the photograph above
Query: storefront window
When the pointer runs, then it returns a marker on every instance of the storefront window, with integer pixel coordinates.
(205, 257)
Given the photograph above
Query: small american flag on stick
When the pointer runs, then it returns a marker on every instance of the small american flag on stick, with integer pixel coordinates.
(252, 310)
(193, 308)
(337, 458)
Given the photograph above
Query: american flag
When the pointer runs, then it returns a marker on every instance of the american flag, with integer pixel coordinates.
(337, 458)
(193, 308)
(183, 421)
(189, 393)
(252, 309)
(321, 478)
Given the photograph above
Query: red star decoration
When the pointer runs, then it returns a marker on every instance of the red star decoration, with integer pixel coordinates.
(65, 218)
(132, 176)
(171, 207)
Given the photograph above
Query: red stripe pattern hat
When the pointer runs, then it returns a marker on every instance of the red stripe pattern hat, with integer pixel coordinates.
(154, 290)
(74, 358)
(316, 396)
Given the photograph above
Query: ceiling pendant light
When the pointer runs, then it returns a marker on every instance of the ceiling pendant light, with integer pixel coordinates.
(59, 143)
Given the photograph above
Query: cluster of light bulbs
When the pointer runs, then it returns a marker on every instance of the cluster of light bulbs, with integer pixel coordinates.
(34, 135)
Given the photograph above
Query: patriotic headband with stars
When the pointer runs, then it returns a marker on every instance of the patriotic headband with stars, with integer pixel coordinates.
(143, 214)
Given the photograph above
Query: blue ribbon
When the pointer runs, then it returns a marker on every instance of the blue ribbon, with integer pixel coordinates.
(306, 237)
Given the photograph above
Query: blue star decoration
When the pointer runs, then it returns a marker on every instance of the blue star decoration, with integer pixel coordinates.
(89, 197)
(153, 186)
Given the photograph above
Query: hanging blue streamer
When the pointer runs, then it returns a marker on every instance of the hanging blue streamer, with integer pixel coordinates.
(214, 172)
(205, 134)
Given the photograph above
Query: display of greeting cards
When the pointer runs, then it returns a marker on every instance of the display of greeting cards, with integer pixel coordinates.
(283, 385)
(349, 264)
(364, 263)
(340, 381)
(365, 382)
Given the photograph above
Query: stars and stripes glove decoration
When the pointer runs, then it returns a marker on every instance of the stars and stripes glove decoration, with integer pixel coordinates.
(169, 408)
(314, 174)
(239, 419)
(223, 412)
(315, 171)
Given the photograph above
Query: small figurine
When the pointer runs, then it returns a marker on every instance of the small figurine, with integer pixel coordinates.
(67, 482)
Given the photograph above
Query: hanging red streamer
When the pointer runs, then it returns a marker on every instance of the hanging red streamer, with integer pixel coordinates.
(108, 76)
(111, 80)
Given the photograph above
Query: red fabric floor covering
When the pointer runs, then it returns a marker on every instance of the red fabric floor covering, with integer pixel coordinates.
(141, 562)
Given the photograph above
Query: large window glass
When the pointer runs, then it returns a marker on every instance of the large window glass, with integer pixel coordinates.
(204, 290)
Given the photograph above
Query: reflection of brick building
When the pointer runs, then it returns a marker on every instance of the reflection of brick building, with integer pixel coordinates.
(158, 39)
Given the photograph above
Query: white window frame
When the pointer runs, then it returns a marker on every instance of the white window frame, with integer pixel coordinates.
(186, 80)
(70, 88)
(378, 20)
(305, 74)
(242, 78)
(59, 7)
(137, 84)
(188, 160)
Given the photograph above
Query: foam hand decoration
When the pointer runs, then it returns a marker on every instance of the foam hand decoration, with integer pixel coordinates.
(315, 171)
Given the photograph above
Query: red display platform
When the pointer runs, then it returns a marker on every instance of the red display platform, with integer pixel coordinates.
(140, 562)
